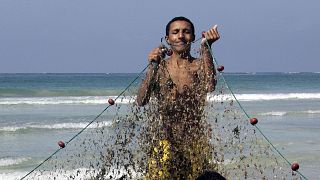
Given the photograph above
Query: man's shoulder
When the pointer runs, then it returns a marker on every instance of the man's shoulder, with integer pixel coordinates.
(196, 62)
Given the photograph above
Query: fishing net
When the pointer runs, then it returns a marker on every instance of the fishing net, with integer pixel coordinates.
(138, 145)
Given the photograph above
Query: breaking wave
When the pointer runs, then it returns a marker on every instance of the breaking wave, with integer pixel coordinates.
(12, 161)
(126, 100)
(267, 97)
(52, 126)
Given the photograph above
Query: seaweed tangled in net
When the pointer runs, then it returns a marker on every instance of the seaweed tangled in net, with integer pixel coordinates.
(136, 145)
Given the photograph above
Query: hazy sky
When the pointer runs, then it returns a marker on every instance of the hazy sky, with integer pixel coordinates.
(116, 35)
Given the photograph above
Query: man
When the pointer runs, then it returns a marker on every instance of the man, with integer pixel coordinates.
(210, 175)
(179, 85)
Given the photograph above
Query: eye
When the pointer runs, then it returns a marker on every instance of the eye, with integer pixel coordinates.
(175, 31)
(187, 31)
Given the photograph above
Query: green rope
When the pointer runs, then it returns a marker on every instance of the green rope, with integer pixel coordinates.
(138, 76)
(247, 115)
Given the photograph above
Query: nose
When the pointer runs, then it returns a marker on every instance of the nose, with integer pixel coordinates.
(180, 35)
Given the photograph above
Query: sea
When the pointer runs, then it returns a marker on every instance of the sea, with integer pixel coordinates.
(38, 110)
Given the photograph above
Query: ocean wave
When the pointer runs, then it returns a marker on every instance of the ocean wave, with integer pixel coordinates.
(293, 72)
(131, 99)
(313, 112)
(274, 113)
(79, 173)
(63, 100)
(279, 96)
(53, 126)
(264, 97)
(12, 161)
(285, 113)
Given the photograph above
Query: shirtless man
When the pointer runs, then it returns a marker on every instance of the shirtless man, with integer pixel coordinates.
(180, 84)
(181, 65)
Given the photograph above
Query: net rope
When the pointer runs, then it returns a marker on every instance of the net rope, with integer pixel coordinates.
(247, 115)
(124, 136)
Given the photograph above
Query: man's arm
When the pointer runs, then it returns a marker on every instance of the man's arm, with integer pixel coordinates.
(209, 68)
(146, 86)
(210, 37)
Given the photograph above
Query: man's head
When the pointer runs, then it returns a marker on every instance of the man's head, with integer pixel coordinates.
(180, 34)
(180, 18)
(210, 175)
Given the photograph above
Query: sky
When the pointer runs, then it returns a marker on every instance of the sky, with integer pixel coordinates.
(115, 36)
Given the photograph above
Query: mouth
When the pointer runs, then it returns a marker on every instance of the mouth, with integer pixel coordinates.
(181, 44)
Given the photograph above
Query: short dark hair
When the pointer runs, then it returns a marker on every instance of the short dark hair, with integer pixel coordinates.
(211, 175)
(179, 18)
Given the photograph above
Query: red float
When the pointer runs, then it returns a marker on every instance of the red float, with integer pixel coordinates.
(220, 68)
(111, 101)
(163, 49)
(61, 144)
(169, 52)
(295, 166)
(253, 121)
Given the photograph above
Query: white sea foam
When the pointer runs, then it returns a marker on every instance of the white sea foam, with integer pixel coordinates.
(46, 175)
(11, 161)
(63, 100)
(131, 99)
(54, 126)
(294, 72)
(283, 113)
(80, 173)
(12, 175)
(274, 113)
(222, 97)
(313, 111)
(265, 97)
(280, 96)
(11, 128)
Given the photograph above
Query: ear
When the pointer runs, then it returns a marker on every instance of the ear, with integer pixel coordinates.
(193, 37)
(167, 40)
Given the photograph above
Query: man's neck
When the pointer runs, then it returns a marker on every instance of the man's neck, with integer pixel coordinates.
(181, 56)
(180, 59)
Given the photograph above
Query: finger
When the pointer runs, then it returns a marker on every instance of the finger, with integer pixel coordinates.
(154, 59)
(204, 34)
(215, 28)
(156, 55)
(151, 58)
(211, 35)
(153, 55)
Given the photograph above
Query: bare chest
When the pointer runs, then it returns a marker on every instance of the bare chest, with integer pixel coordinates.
(187, 76)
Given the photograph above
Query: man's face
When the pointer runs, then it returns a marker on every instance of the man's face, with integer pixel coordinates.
(180, 36)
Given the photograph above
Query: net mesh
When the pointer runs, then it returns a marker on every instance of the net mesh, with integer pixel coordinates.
(136, 145)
